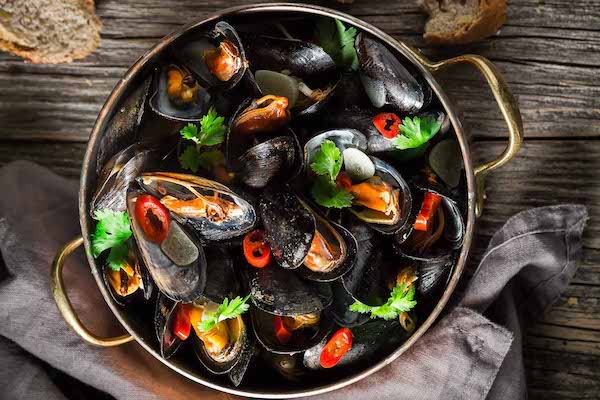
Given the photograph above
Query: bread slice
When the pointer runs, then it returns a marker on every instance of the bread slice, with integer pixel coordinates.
(462, 21)
(49, 31)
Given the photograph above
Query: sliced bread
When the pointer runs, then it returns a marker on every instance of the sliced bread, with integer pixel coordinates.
(49, 31)
(462, 21)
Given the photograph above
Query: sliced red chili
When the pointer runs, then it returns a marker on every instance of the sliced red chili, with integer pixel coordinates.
(153, 217)
(181, 322)
(256, 249)
(431, 202)
(343, 181)
(282, 334)
(334, 350)
(388, 124)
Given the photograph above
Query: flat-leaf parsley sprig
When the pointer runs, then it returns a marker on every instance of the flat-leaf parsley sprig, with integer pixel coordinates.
(112, 232)
(227, 310)
(327, 162)
(401, 300)
(211, 133)
(416, 132)
(338, 42)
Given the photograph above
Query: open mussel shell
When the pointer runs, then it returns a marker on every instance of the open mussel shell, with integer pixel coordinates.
(183, 282)
(280, 292)
(221, 278)
(339, 238)
(304, 60)
(386, 80)
(193, 55)
(119, 173)
(368, 282)
(163, 315)
(391, 176)
(306, 338)
(233, 355)
(165, 106)
(288, 366)
(247, 355)
(340, 308)
(370, 342)
(210, 208)
(289, 225)
(343, 139)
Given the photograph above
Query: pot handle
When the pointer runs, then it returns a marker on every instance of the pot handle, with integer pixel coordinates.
(64, 305)
(508, 106)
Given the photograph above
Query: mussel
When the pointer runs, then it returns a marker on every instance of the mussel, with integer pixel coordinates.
(386, 80)
(217, 57)
(288, 366)
(263, 115)
(178, 96)
(173, 257)
(210, 208)
(343, 139)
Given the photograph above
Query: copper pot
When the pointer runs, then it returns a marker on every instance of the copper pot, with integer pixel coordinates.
(98, 152)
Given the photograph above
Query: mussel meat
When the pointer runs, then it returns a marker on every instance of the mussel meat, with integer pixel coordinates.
(264, 115)
(132, 277)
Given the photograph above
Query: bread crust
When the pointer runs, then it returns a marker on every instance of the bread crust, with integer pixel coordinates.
(489, 19)
(35, 55)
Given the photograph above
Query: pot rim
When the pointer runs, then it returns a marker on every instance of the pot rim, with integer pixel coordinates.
(119, 92)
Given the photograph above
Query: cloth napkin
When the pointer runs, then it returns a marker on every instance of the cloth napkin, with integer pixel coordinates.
(473, 352)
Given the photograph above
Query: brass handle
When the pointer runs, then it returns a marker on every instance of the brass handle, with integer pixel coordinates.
(64, 305)
(508, 106)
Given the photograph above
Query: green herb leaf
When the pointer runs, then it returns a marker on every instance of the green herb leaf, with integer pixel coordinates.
(226, 310)
(113, 229)
(117, 258)
(212, 130)
(415, 132)
(327, 160)
(400, 300)
(338, 42)
(210, 159)
(327, 194)
(190, 158)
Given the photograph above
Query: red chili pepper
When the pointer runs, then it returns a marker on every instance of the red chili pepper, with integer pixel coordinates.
(256, 249)
(343, 181)
(428, 209)
(388, 124)
(282, 334)
(181, 322)
(153, 217)
(334, 350)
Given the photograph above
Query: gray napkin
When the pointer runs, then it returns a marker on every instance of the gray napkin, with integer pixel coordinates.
(473, 352)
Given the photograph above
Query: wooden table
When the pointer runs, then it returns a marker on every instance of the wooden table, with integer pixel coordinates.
(549, 52)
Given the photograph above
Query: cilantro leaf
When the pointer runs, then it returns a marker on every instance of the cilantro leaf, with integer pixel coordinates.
(327, 160)
(338, 42)
(416, 132)
(190, 158)
(117, 258)
(113, 229)
(226, 310)
(327, 194)
(212, 130)
(400, 300)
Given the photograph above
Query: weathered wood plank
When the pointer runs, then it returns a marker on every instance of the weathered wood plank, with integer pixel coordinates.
(549, 56)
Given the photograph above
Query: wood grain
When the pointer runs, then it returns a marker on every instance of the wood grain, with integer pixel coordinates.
(549, 52)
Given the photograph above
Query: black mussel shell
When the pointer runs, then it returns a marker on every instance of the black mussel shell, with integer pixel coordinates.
(368, 282)
(304, 60)
(306, 338)
(386, 80)
(169, 342)
(119, 173)
(191, 55)
(445, 159)
(341, 308)
(432, 274)
(223, 367)
(289, 225)
(188, 187)
(221, 278)
(288, 366)
(277, 291)
(370, 342)
(350, 246)
(265, 161)
(237, 373)
(163, 106)
(178, 282)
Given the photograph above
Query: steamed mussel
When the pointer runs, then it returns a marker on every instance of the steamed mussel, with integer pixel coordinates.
(322, 217)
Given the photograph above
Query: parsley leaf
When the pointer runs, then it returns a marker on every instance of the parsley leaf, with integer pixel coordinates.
(227, 310)
(416, 132)
(328, 194)
(190, 158)
(212, 133)
(327, 160)
(401, 300)
(117, 258)
(113, 229)
(338, 42)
